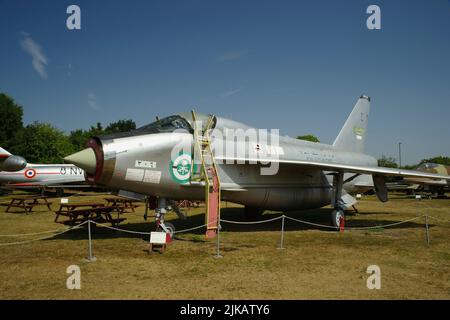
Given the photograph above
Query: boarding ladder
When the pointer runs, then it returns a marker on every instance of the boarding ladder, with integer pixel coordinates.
(206, 173)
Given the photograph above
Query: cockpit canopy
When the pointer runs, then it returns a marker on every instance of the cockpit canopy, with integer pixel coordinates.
(167, 124)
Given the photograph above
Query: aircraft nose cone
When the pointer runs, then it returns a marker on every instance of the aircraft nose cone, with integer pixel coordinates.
(85, 159)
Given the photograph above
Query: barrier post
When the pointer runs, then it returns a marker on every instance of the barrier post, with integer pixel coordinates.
(90, 258)
(219, 226)
(282, 234)
(146, 209)
(426, 230)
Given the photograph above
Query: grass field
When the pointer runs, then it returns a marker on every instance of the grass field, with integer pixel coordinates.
(315, 264)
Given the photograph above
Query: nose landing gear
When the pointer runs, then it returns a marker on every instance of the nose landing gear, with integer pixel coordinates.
(162, 226)
(338, 218)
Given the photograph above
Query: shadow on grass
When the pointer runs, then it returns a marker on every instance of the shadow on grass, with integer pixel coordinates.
(318, 216)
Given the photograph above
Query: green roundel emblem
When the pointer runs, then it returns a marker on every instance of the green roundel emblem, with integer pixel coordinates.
(180, 168)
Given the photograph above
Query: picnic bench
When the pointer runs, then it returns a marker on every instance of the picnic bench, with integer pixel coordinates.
(27, 203)
(187, 204)
(81, 212)
(123, 203)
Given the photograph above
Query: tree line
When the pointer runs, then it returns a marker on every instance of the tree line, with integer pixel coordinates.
(41, 142)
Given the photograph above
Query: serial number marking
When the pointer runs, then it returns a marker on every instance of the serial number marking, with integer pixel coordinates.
(145, 164)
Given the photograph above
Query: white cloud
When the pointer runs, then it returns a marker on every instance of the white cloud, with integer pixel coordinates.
(231, 55)
(92, 101)
(230, 93)
(38, 59)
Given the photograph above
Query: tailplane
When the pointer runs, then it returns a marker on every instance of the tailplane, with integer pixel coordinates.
(353, 134)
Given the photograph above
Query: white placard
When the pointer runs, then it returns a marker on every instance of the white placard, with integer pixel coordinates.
(358, 196)
(152, 176)
(145, 164)
(64, 200)
(134, 174)
(158, 237)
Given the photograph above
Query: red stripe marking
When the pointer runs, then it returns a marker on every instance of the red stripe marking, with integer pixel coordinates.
(21, 173)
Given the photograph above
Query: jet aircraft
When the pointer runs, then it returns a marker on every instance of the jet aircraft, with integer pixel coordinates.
(42, 176)
(435, 187)
(308, 175)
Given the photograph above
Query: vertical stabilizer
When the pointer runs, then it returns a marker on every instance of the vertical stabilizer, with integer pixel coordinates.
(353, 134)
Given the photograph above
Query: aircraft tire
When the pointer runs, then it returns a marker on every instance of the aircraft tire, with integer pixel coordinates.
(171, 229)
(336, 218)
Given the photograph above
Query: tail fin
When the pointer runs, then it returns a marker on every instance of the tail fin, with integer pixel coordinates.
(4, 153)
(352, 136)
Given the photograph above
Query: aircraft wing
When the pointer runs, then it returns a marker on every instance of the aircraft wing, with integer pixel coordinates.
(372, 170)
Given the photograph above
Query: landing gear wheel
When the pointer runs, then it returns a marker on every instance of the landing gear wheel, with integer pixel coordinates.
(171, 228)
(336, 217)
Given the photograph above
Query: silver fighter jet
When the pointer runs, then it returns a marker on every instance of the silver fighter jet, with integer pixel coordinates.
(43, 175)
(282, 173)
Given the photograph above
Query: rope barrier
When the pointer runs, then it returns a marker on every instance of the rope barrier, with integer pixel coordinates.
(190, 229)
(355, 228)
(437, 219)
(385, 225)
(310, 223)
(252, 222)
(42, 238)
(31, 234)
(146, 233)
(122, 230)
(58, 232)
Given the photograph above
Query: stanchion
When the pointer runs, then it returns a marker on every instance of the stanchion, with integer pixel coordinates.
(90, 257)
(282, 234)
(426, 230)
(219, 226)
(146, 209)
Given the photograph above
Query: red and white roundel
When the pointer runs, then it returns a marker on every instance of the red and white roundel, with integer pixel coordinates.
(30, 173)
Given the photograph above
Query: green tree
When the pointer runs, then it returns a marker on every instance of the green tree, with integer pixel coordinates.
(388, 162)
(120, 126)
(439, 160)
(42, 143)
(11, 124)
(309, 137)
(78, 139)
(96, 130)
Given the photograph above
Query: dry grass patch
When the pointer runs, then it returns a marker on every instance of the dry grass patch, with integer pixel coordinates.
(315, 263)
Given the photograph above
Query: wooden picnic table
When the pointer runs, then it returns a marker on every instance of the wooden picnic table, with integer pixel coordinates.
(122, 202)
(187, 204)
(80, 212)
(28, 203)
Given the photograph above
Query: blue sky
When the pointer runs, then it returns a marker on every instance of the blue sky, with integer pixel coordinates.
(295, 65)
